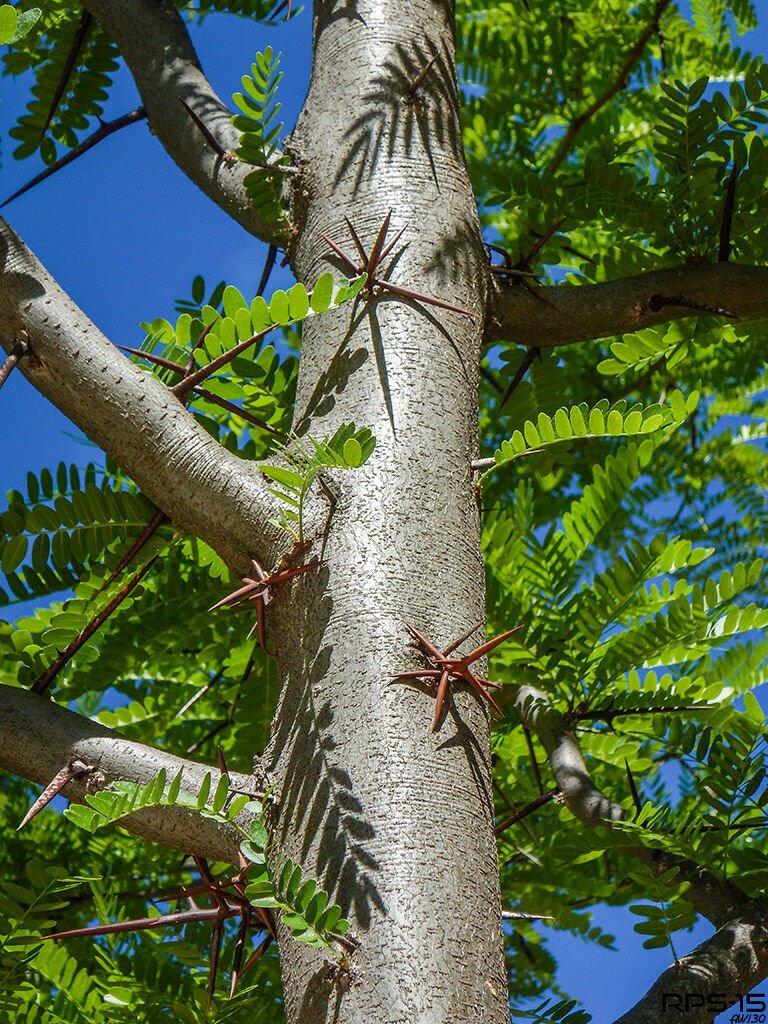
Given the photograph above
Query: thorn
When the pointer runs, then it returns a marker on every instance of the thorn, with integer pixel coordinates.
(347, 259)
(390, 245)
(72, 770)
(413, 87)
(269, 264)
(521, 371)
(407, 293)
(538, 294)
(18, 351)
(216, 939)
(205, 131)
(150, 529)
(464, 636)
(257, 953)
(222, 762)
(358, 244)
(378, 245)
(190, 383)
(237, 957)
(633, 789)
(725, 227)
(539, 244)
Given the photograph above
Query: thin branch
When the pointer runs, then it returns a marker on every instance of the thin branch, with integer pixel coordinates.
(64, 657)
(620, 82)
(38, 736)
(715, 898)
(105, 129)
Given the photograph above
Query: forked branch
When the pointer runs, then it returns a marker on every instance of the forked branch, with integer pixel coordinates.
(154, 42)
(131, 415)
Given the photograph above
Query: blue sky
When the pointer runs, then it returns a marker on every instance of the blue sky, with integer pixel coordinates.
(124, 232)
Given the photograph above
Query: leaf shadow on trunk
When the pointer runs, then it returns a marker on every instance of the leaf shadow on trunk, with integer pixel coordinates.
(478, 759)
(413, 97)
(317, 798)
(331, 382)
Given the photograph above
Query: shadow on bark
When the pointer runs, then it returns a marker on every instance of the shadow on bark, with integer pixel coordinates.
(317, 799)
(410, 102)
(330, 383)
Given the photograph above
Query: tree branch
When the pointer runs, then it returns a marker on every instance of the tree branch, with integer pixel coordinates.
(154, 42)
(727, 965)
(714, 898)
(584, 312)
(38, 738)
(133, 416)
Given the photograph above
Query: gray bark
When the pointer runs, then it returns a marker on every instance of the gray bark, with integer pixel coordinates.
(397, 822)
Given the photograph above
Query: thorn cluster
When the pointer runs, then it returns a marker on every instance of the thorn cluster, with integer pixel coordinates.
(258, 589)
(370, 264)
(520, 272)
(443, 669)
(227, 898)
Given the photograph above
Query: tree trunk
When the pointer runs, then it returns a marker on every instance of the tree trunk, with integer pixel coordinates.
(396, 821)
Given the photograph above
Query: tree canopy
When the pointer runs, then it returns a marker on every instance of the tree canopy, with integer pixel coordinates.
(618, 159)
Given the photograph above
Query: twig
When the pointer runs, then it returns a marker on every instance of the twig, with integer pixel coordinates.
(45, 680)
(534, 805)
(106, 129)
(621, 82)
